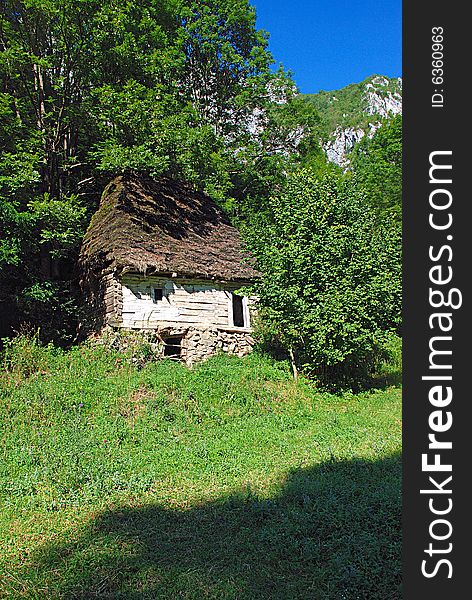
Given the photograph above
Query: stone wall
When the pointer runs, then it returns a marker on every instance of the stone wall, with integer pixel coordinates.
(198, 343)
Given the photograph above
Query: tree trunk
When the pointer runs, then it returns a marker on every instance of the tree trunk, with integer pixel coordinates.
(293, 363)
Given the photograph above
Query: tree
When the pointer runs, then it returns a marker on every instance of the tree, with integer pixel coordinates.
(93, 88)
(331, 285)
(52, 59)
(377, 165)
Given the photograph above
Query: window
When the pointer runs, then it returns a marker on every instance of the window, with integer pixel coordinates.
(173, 347)
(238, 311)
(157, 294)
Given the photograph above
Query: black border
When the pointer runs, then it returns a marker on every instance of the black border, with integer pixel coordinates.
(426, 129)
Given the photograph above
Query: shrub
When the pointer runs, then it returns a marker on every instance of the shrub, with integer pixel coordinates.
(331, 286)
(23, 355)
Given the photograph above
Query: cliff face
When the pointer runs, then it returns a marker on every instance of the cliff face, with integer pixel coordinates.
(348, 114)
(381, 99)
(342, 141)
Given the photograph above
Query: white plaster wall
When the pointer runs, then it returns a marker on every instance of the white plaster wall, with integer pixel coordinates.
(184, 302)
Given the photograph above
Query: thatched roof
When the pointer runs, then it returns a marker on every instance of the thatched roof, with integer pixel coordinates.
(164, 227)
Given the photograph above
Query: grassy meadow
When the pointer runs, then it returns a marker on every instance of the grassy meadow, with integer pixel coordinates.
(229, 481)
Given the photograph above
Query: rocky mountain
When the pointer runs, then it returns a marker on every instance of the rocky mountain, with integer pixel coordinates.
(352, 112)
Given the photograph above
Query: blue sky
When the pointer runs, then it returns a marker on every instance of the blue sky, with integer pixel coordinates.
(328, 44)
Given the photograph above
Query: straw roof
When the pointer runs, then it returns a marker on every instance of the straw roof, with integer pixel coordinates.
(164, 227)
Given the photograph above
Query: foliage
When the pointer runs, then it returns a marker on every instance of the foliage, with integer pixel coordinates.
(377, 166)
(390, 369)
(58, 222)
(54, 305)
(331, 285)
(229, 480)
(23, 356)
(90, 89)
(347, 107)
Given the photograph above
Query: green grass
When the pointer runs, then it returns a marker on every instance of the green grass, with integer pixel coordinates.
(229, 481)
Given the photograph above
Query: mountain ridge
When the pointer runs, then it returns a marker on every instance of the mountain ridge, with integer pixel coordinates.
(356, 110)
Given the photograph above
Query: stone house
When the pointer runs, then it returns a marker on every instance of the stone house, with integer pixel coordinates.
(161, 258)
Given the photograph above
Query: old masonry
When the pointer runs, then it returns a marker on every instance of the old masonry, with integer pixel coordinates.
(163, 259)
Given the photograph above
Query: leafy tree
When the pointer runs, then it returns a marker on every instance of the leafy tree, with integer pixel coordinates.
(93, 88)
(331, 287)
(377, 165)
(226, 66)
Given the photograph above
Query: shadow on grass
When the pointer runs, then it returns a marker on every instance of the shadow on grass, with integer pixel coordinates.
(333, 532)
(385, 380)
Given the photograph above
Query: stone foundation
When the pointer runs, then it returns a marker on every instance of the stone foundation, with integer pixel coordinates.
(197, 343)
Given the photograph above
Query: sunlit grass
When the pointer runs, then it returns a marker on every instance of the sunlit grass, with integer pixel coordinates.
(227, 481)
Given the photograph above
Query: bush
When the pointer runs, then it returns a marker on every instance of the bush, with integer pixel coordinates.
(23, 355)
(331, 286)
